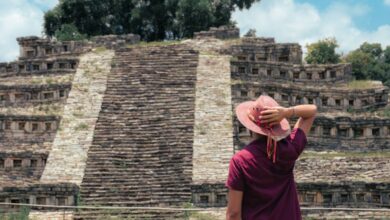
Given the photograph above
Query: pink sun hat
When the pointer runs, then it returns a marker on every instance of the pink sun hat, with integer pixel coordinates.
(252, 109)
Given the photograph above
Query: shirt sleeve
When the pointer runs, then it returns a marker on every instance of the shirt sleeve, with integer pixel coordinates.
(235, 179)
(299, 140)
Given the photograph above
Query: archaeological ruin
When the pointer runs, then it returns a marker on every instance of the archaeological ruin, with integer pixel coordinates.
(112, 122)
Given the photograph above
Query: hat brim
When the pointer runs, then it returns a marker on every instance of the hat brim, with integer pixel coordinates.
(279, 131)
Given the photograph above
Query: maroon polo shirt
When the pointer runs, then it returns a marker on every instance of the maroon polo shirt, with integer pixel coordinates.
(269, 188)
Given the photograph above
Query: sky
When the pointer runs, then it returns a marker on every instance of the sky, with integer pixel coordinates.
(351, 22)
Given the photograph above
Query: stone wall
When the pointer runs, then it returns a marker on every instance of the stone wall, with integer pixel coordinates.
(343, 214)
(28, 128)
(142, 147)
(115, 41)
(52, 215)
(19, 161)
(213, 141)
(21, 169)
(338, 133)
(341, 194)
(34, 47)
(352, 134)
(337, 167)
(33, 94)
(209, 195)
(41, 194)
(268, 52)
(349, 194)
(223, 32)
(68, 156)
(286, 72)
(326, 98)
(39, 67)
(257, 40)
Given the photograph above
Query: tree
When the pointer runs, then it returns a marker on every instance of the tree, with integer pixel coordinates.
(369, 61)
(68, 32)
(151, 19)
(386, 55)
(374, 49)
(361, 63)
(251, 33)
(193, 16)
(322, 52)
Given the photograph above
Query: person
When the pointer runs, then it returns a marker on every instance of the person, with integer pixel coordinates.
(261, 181)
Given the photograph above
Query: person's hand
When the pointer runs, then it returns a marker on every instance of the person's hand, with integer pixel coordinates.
(273, 115)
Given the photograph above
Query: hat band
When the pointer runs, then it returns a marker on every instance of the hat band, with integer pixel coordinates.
(271, 143)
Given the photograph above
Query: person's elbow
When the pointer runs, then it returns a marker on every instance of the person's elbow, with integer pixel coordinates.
(233, 215)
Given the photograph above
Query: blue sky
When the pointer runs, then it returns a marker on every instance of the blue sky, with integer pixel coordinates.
(352, 22)
(377, 11)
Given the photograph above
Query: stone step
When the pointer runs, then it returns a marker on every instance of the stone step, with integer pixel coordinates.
(142, 145)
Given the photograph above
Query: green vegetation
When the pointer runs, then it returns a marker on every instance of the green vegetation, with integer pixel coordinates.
(100, 49)
(69, 32)
(22, 214)
(202, 216)
(360, 84)
(236, 82)
(152, 20)
(154, 43)
(384, 112)
(81, 127)
(370, 61)
(208, 53)
(322, 52)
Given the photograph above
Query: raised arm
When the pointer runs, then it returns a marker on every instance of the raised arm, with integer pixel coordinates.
(306, 114)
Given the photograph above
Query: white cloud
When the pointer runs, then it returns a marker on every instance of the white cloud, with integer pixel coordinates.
(20, 18)
(289, 21)
(387, 2)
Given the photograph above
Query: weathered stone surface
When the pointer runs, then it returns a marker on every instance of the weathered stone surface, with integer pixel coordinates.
(270, 52)
(339, 98)
(223, 32)
(115, 41)
(52, 215)
(213, 141)
(67, 159)
(341, 133)
(164, 129)
(336, 169)
(143, 142)
(306, 75)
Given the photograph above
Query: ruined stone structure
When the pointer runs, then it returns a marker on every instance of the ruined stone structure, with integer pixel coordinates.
(223, 32)
(108, 122)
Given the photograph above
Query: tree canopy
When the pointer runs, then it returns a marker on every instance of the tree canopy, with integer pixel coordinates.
(370, 61)
(151, 19)
(322, 52)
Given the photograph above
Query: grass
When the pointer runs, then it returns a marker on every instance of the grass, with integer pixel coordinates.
(360, 84)
(48, 109)
(100, 49)
(81, 127)
(50, 81)
(384, 113)
(236, 81)
(22, 214)
(153, 43)
(202, 216)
